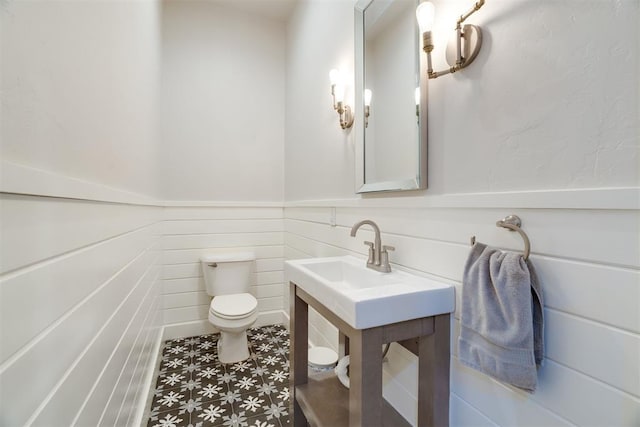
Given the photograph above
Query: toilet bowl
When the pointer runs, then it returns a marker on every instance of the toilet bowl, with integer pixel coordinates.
(233, 315)
(228, 278)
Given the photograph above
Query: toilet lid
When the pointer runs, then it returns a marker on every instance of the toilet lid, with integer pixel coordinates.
(234, 306)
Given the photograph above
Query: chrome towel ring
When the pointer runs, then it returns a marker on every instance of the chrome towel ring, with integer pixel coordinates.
(513, 223)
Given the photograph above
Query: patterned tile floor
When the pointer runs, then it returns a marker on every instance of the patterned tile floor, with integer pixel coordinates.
(195, 389)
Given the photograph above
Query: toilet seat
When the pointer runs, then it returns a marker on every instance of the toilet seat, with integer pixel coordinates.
(234, 306)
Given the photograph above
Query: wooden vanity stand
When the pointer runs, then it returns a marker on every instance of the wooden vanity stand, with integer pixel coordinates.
(321, 400)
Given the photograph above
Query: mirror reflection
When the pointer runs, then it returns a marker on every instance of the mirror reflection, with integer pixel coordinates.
(388, 64)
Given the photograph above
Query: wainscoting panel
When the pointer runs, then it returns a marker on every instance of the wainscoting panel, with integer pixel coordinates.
(55, 287)
(34, 229)
(79, 283)
(132, 390)
(110, 349)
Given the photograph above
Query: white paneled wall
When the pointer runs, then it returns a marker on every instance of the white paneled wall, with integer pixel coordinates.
(588, 263)
(189, 232)
(79, 309)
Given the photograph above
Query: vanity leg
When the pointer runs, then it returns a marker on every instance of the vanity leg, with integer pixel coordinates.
(299, 420)
(365, 374)
(299, 332)
(343, 345)
(433, 375)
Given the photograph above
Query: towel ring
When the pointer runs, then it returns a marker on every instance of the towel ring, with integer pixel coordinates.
(513, 223)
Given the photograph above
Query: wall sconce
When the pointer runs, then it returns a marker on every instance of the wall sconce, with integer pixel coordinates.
(468, 39)
(337, 92)
(367, 106)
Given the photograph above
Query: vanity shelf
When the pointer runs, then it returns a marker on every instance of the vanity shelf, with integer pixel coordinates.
(325, 402)
(321, 400)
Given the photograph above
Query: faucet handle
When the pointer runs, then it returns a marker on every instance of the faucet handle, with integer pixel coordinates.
(384, 258)
(371, 252)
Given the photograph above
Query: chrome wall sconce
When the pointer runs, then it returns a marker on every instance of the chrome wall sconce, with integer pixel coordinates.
(468, 39)
(337, 93)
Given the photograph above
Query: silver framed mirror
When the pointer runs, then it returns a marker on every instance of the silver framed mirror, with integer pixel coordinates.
(390, 126)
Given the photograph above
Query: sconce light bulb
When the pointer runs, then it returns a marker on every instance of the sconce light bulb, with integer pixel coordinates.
(367, 97)
(334, 76)
(416, 94)
(425, 14)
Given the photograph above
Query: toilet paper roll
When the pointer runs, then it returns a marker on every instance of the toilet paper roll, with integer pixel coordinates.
(322, 359)
(341, 371)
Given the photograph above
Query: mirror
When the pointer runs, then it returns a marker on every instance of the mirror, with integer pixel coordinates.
(391, 129)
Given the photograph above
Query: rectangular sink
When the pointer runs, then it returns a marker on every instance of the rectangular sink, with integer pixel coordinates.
(365, 298)
(347, 274)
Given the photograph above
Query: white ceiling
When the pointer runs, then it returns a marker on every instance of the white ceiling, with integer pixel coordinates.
(276, 9)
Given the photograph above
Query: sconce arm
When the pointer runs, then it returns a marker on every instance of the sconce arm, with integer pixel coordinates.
(428, 48)
(435, 74)
(465, 35)
(474, 9)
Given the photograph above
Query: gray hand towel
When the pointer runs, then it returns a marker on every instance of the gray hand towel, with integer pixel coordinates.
(501, 317)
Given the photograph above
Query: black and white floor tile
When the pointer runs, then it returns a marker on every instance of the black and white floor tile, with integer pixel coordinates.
(195, 390)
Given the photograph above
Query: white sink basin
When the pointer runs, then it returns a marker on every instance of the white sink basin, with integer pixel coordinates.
(365, 298)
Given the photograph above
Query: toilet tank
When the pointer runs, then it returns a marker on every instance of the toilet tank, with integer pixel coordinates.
(228, 273)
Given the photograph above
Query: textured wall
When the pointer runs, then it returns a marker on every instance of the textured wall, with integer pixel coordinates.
(551, 102)
(318, 154)
(79, 90)
(222, 104)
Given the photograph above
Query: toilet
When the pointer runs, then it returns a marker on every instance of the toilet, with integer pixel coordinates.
(233, 309)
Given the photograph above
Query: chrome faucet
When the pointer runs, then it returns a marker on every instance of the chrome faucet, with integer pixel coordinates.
(378, 254)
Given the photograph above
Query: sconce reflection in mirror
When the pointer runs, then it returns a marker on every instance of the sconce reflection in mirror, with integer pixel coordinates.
(416, 95)
(337, 92)
(367, 106)
(468, 39)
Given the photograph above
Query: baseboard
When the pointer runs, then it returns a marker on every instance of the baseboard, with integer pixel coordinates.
(202, 327)
(142, 413)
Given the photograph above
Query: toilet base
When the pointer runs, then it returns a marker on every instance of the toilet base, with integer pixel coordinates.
(233, 347)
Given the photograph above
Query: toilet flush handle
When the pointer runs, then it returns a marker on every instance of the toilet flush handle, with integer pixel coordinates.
(213, 264)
